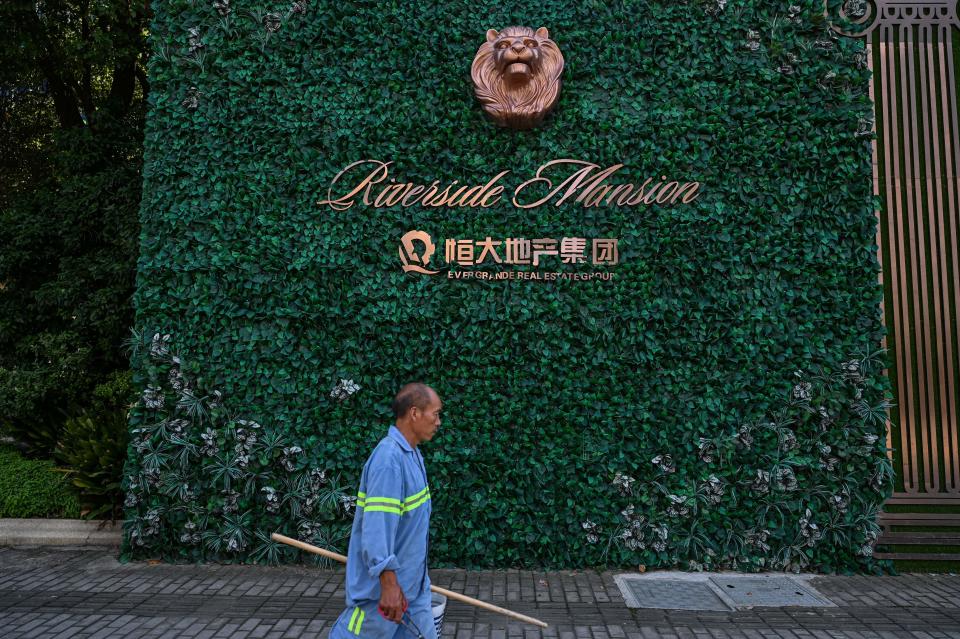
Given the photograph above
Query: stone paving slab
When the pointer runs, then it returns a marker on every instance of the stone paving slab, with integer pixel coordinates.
(671, 593)
(50, 593)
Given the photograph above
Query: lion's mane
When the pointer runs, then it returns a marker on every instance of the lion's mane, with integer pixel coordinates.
(518, 107)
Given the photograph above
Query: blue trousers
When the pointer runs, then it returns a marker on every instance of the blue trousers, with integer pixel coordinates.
(365, 622)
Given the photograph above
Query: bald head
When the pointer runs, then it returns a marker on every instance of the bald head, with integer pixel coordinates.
(415, 394)
(417, 408)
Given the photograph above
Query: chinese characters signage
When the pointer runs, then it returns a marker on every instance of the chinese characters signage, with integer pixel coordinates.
(417, 248)
(522, 251)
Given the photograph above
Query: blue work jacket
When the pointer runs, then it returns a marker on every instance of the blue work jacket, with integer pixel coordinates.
(391, 526)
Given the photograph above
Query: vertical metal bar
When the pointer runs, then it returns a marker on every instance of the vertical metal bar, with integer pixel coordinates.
(951, 141)
(932, 222)
(917, 246)
(888, 53)
(938, 254)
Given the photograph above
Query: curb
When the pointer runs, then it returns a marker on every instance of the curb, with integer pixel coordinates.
(59, 532)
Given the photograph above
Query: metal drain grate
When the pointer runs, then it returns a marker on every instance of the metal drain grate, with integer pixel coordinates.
(686, 591)
(768, 591)
(671, 594)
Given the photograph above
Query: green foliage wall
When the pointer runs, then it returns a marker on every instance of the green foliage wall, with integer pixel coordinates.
(551, 388)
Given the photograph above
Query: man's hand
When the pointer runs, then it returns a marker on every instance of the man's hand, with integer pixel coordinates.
(392, 600)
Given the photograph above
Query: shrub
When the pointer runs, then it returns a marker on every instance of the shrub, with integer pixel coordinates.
(66, 275)
(50, 374)
(93, 446)
(34, 488)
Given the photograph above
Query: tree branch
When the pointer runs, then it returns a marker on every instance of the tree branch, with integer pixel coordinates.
(142, 78)
(64, 99)
(86, 92)
(129, 45)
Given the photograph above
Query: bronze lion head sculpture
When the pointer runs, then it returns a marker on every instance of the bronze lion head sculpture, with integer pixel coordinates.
(516, 76)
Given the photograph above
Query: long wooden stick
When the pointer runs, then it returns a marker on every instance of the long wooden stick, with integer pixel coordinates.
(302, 545)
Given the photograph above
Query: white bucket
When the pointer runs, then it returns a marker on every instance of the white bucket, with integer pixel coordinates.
(438, 604)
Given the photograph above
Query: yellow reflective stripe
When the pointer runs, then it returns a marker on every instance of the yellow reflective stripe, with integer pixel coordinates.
(353, 619)
(356, 630)
(391, 505)
(408, 507)
(382, 509)
(413, 498)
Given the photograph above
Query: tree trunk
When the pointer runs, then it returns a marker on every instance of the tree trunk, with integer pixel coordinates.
(121, 90)
(65, 102)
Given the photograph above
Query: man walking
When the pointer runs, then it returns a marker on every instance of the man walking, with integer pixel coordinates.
(388, 588)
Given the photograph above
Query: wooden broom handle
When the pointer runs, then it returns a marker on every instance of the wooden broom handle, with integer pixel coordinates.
(296, 543)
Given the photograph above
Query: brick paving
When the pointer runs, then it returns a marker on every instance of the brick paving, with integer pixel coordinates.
(85, 593)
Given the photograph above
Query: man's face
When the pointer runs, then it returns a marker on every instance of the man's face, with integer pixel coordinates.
(426, 421)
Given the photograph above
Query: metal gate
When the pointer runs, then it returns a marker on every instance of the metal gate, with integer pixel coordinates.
(913, 55)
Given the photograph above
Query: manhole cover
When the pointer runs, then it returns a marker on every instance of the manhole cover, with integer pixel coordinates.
(768, 591)
(670, 594)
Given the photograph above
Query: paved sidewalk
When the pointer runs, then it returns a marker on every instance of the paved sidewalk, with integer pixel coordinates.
(86, 593)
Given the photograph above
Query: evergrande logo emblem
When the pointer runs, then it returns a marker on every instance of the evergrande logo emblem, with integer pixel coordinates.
(516, 76)
(414, 261)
